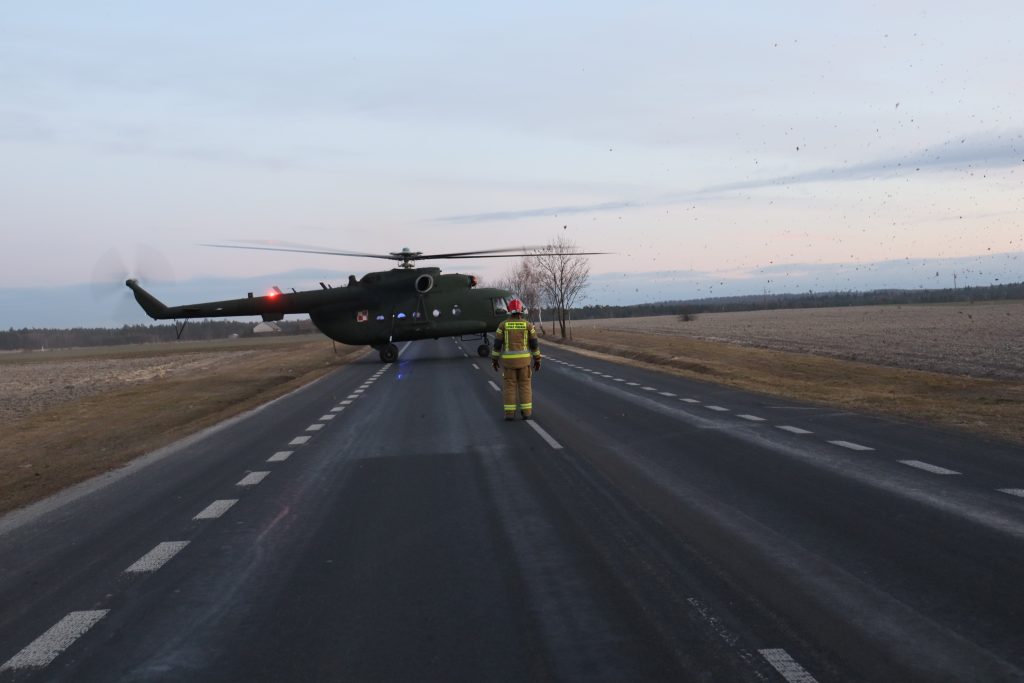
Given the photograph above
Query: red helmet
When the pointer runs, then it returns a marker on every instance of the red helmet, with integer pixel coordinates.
(515, 306)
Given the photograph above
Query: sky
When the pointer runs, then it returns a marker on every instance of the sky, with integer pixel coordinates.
(733, 147)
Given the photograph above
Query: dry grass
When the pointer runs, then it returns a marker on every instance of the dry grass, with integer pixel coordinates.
(986, 406)
(74, 414)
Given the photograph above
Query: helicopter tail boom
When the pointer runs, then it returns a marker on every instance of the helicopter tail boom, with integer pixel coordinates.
(153, 307)
(274, 306)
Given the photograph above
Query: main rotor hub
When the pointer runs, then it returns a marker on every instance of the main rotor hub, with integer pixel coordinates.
(406, 256)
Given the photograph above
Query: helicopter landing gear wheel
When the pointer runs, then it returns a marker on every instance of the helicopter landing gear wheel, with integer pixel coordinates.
(483, 350)
(389, 353)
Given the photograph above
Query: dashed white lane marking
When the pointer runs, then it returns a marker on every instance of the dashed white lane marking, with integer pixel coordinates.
(1013, 492)
(356, 392)
(689, 400)
(619, 379)
(216, 509)
(544, 435)
(347, 402)
(648, 388)
(315, 427)
(927, 467)
(606, 376)
(157, 557)
(717, 409)
(337, 409)
(44, 649)
(632, 384)
(752, 418)
(327, 417)
(494, 386)
(366, 386)
(252, 478)
(793, 430)
(666, 393)
(298, 441)
(475, 366)
(280, 456)
(785, 665)
(352, 397)
(852, 446)
(466, 355)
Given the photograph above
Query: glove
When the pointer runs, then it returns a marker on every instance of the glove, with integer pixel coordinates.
(496, 365)
(536, 364)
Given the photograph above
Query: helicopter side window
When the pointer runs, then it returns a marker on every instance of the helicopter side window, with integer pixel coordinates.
(500, 306)
(456, 310)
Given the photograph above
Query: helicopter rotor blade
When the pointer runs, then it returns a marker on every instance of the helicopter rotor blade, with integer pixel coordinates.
(543, 253)
(301, 249)
(405, 256)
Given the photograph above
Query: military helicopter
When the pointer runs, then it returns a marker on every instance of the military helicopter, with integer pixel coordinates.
(403, 304)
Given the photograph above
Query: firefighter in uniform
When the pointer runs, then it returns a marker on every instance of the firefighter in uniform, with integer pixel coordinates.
(516, 347)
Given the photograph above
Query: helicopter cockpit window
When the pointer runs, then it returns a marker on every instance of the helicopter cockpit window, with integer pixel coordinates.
(500, 305)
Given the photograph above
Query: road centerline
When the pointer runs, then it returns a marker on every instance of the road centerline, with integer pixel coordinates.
(157, 557)
(59, 637)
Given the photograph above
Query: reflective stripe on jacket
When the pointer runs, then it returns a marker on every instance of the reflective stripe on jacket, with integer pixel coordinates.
(516, 340)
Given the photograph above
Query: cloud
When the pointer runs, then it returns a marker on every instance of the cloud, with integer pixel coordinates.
(992, 150)
(534, 213)
(987, 151)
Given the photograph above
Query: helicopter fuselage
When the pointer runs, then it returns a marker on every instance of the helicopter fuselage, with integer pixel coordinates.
(378, 310)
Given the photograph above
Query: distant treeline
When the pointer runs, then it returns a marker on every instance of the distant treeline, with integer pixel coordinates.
(876, 297)
(13, 340)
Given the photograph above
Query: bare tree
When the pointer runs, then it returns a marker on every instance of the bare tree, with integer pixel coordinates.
(561, 272)
(521, 280)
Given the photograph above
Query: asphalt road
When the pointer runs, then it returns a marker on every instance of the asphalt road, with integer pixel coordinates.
(385, 524)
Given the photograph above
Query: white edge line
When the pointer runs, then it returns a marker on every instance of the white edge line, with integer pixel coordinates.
(58, 638)
(544, 435)
(1013, 492)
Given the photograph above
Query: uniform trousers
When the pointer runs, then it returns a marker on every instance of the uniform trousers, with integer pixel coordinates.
(518, 390)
